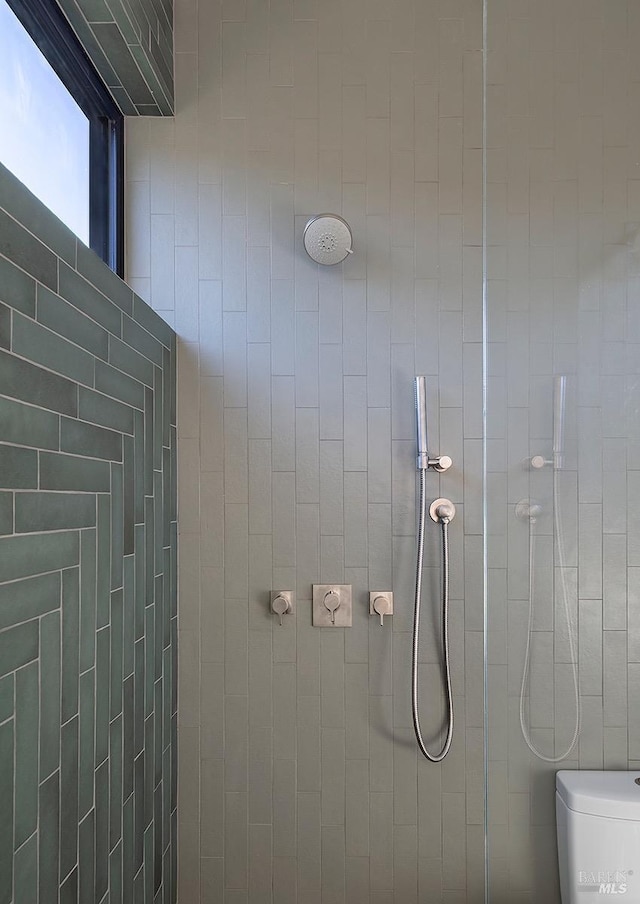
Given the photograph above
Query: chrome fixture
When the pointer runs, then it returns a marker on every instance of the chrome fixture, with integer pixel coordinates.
(381, 603)
(442, 511)
(282, 602)
(332, 605)
(439, 462)
(558, 443)
(327, 239)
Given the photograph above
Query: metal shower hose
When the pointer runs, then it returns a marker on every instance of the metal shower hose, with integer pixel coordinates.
(438, 757)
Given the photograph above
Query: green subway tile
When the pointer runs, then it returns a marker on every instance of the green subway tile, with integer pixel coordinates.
(49, 838)
(102, 829)
(103, 584)
(6, 697)
(87, 599)
(129, 361)
(128, 493)
(102, 694)
(117, 525)
(119, 54)
(86, 759)
(166, 497)
(26, 251)
(82, 295)
(54, 511)
(149, 665)
(115, 776)
(138, 709)
(137, 337)
(28, 426)
(138, 478)
(127, 850)
(26, 871)
(23, 600)
(6, 823)
(116, 652)
(103, 278)
(149, 538)
(61, 317)
(68, 796)
(167, 389)
(129, 615)
(86, 856)
(17, 288)
(26, 738)
(148, 442)
(69, 888)
(29, 383)
(138, 884)
(18, 646)
(18, 467)
(71, 472)
(70, 641)
(127, 739)
(115, 870)
(5, 326)
(140, 581)
(96, 11)
(49, 693)
(157, 420)
(119, 386)
(6, 513)
(24, 556)
(35, 216)
(40, 345)
(129, 28)
(148, 858)
(124, 102)
(87, 439)
(100, 409)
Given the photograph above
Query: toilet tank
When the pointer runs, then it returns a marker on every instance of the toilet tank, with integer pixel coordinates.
(598, 819)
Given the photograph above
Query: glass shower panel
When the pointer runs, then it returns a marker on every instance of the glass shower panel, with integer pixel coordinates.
(563, 417)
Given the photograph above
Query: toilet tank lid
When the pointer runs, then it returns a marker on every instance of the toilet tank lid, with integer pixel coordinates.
(612, 794)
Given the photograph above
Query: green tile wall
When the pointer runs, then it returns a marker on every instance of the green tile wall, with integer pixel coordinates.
(87, 575)
(131, 45)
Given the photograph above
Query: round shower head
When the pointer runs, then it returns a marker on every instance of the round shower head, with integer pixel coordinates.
(327, 239)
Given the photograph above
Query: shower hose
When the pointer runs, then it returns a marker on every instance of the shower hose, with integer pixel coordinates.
(432, 757)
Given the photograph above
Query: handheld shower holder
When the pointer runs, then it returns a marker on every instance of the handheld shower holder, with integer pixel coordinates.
(440, 463)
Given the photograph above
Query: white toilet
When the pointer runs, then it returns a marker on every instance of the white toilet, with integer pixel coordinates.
(598, 819)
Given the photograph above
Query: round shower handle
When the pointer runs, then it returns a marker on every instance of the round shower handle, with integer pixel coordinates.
(442, 511)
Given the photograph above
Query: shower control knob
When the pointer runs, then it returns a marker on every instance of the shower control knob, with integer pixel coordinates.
(381, 603)
(538, 461)
(282, 603)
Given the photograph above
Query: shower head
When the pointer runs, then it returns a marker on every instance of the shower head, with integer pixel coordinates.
(422, 453)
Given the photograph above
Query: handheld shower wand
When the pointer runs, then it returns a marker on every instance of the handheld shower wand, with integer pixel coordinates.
(440, 462)
(441, 511)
